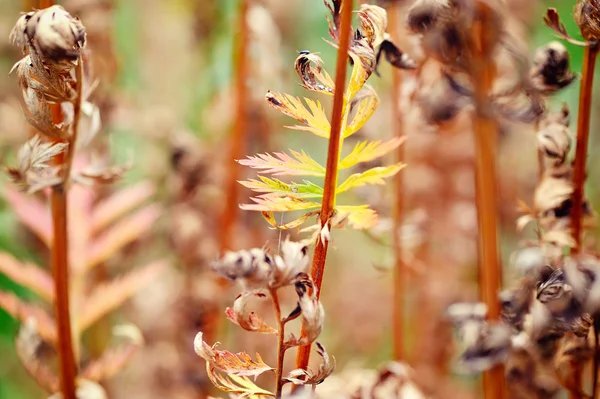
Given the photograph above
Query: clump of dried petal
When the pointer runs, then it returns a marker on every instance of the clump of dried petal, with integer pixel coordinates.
(425, 14)
(554, 136)
(312, 312)
(253, 267)
(291, 265)
(587, 16)
(34, 171)
(551, 68)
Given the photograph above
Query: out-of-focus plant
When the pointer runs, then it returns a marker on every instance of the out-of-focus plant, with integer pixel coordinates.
(79, 232)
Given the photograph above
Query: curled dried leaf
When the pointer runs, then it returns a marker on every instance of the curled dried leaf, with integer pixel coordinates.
(240, 364)
(313, 76)
(243, 317)
(309, 377)
(28, 344)
(552, 20)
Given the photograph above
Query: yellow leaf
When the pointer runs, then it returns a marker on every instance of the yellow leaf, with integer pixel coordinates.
(281, 163)
(364, 107)
(314, 117)
(359, 216)
(371, 176)
(270, 218)
(280, 204)
(366, 151)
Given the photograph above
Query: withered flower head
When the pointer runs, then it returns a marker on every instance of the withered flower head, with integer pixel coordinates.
(253, 267)
(554, 141)
(53, 32)
(587, 16)
(424, 14)
(551, 69)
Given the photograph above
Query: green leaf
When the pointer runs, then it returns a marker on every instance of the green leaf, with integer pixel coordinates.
(281, 163)
(364, 107)
(358, 216)
(277, 188)
(366, 151)
(371, 176)
(314, 118)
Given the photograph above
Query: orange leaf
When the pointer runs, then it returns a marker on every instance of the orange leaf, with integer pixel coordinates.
(27, 275)
(118, 204)
(121, 234)
(32, 212)
(23, 311)
(107, 297)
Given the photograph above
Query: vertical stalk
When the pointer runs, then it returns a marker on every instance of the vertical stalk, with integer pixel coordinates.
(540, 154)
(399, 268)
(333, 154)
(485, 132)
(581, 147)
(237, 143)
(280, 348)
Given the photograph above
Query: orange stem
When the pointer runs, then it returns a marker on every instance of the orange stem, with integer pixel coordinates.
(333, 154)
(399, 269)
(583, 127)
(238, 138)
(485, 131)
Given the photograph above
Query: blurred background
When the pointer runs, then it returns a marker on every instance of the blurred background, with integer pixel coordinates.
(166, 73)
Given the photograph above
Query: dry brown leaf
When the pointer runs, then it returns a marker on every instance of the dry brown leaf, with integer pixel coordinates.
(552, 20)
(27, 275)
(107, 297)
(27, 344)
(23, 311)
(326, 367)
(233, 364)
(122, 233)
(31, 212)
(118, 204)
(246, 319)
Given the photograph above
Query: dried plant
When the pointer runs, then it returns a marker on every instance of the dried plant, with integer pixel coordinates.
(80, 232)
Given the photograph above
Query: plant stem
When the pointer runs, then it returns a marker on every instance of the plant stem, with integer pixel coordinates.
(280, 348)
(333, 154)
(485, 131)
(540, 154)
(237, 144)
(583, 127)
(399, 269)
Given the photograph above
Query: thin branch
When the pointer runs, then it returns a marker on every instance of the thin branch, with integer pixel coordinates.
(280, 347)
(238, 139)
(485, 132)
(333, 154)
(583, 127)
(399, 269)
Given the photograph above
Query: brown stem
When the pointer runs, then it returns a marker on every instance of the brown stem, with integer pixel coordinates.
(280, 348)
(333, 154)
(540, 154)
(485, 131)
(237, 143)
(399, 269)
(583, 127)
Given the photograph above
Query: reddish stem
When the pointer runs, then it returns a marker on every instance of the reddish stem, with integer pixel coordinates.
(583, 127)
(399, 269)
(238, 138)
(333, 153)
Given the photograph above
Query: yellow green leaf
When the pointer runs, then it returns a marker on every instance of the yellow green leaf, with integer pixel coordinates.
(281, 163)
(359, 216)
(364, 107)
(280, 204)
(314, 117)
(371, 176)
(270, 218)
(366, 151)
(275, 188)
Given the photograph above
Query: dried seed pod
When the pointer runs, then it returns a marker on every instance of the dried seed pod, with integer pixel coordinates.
(554, 141)
(587, 16)
(55, 34)
(551, 68)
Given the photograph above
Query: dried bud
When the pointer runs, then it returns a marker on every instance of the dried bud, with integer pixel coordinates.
(554, 141)
(253, 268)
(424, 14)
(587, 16)
(551, 70)
(54, 33)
